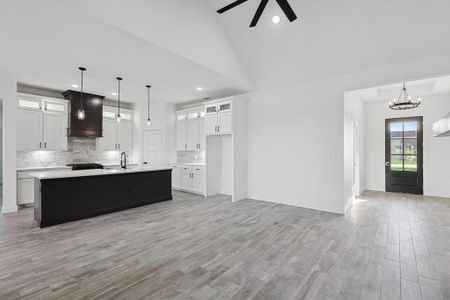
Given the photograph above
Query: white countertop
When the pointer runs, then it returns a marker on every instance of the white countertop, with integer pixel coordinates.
(30, 169)
(96, 172)
(189, 165)
(33, 169)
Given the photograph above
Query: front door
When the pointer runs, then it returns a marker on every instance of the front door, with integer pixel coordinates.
(404, 155)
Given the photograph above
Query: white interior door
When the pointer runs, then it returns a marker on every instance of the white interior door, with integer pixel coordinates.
(153, 148)
(55, 131)
(29, 130)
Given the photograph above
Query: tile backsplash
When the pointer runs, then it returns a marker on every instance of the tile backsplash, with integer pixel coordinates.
(80, 150)
(191, 157)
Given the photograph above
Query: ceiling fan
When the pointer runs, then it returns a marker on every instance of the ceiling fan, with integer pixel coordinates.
(284, 4)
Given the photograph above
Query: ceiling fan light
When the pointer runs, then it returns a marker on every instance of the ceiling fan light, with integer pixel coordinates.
(276, 19)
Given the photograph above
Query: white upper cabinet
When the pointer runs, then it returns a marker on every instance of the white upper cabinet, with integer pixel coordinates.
(225, 123)
(191, 130)
(211, 124)
(109, 139)
(125, 135)
(41, 123)
(218, 118)
(116, 135)
(193, 134)
(55, 131)
(182, 135)
(29, 130)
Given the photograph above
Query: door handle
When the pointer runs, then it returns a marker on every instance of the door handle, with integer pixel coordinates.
(388, 164)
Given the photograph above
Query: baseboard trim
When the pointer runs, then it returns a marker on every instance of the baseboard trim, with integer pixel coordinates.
(9, 209)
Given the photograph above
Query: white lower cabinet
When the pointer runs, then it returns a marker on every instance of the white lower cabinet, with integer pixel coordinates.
(25, 191)
(176, 177)
(198, 181)
(189, 179)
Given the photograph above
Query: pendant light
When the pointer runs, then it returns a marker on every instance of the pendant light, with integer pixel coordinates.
(119, 79)
(81, 114)
(148, 104)
(404, 101)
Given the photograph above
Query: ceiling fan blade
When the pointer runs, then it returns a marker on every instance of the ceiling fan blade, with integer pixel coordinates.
(287, 9)
(259, 12)
(230, 6)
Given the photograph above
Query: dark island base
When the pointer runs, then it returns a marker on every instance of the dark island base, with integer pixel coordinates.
(62, 200)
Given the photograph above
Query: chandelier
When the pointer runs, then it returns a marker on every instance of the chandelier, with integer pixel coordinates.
(404, 101)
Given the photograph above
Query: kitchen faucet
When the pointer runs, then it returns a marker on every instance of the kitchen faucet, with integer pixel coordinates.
(123, 160)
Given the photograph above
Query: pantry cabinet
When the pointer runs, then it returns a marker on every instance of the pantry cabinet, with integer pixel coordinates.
(218, 119)
(117, 135)
(41, 123)
(191, 131)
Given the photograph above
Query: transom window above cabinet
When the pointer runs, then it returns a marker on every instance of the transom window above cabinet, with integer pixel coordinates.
(217, 107)
(111, 113)
(37, 103)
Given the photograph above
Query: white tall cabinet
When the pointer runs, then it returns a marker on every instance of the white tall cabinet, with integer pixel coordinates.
(41, 123)
(226, 152)
(191, 136)
(218, 119)
(116, 135)
(191, 130)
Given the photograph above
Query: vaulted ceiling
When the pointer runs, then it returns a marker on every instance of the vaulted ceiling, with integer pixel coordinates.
(178, 45)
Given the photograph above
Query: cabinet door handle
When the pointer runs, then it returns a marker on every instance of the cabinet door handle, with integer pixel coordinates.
(45, 145)
(185, 146)
(119, 146)
(40, 145)
(218, 128)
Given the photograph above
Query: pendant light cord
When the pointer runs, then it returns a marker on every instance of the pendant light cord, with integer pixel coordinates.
(118, 95)
(82, 86)
(148, 104)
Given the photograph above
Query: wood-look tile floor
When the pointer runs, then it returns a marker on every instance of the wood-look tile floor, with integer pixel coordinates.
(388, 247)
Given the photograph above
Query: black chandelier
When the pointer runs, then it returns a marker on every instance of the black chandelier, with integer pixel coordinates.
(404, 101)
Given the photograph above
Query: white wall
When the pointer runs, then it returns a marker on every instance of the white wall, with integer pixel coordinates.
(162, 118)
(436, 162)
(1, 142)
(296, 136)
(353, 147)
(8, 87)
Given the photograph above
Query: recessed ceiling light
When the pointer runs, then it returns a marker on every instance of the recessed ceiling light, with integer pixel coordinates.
(74, 85)
(199, 88)
(114, 94)
(276, 19)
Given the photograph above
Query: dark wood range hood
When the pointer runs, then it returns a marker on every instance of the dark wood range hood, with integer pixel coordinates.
(92, 125)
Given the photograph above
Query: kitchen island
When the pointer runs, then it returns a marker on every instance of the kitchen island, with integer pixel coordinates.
(64, 196)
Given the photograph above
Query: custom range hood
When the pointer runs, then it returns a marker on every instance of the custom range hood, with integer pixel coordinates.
(92, 123)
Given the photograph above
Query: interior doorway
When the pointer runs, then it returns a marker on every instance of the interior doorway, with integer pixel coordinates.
(153, 148)
(1, 154)
(404, 155)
